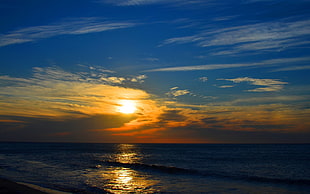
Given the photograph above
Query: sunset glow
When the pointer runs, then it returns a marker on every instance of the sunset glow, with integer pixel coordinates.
(127, 107)
(171, 71)
(150, 96)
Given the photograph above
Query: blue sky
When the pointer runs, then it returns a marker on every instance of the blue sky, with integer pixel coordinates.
(198, 71)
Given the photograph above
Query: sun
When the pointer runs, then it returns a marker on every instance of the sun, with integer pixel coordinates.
(127, 107)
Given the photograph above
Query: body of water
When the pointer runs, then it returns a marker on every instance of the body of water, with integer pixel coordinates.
(159, 168)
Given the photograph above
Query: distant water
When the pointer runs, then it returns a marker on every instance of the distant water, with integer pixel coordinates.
(159, 168)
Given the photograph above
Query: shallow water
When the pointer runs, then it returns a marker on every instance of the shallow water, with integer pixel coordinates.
(159, 168)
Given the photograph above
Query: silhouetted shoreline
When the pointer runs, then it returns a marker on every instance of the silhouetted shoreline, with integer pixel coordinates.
(7, 186)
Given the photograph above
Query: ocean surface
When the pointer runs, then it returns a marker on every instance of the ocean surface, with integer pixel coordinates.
(159, 168)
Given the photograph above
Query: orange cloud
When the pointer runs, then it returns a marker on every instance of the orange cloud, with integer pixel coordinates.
(71, 107)
(55, 93)
(188, 125)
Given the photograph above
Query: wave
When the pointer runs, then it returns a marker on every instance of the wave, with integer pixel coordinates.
(277, 180)
(184, 171)
(142, 166)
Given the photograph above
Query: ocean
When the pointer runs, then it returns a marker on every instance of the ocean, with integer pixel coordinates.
(159, 168)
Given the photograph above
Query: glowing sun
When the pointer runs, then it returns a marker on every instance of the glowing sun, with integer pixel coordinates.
(127, 107)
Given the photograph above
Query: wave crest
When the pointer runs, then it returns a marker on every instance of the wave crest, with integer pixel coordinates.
(184, 171)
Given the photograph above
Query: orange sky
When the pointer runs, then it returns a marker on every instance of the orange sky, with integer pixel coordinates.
(50, 109)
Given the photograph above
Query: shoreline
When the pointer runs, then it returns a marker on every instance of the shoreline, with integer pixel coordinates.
(8, 187)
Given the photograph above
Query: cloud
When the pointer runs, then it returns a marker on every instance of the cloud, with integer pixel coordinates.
(280, 61)
(203, 79)
(175, 92)
(287, 60)
(174, 88)
(74, 129)
(268, 100)
(225, 18)
(293, 68)
(265, 36)
(132, 2)
(57, 105)
(148, 2)
(179, 92)
(271, 85)
(114, 80)
(151, 59)
(182, 40)
(226, 86)
(218, 123)
(139, 78)
(55, 93)
(200, 67)
(73, 26)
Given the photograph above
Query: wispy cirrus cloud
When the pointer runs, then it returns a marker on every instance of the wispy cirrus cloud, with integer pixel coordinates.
(72, 26)
(200, 67)
(269, 100)
(92, 75)
(293, 68)
(264, 36)
(270, 85)
(232, 65)
(226, 86)
(148, 2)
(176, 92)
(132, 2)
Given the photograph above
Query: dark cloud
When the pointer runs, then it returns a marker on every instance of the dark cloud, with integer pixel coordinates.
(75, 129)
(171, 115)
(214, 135)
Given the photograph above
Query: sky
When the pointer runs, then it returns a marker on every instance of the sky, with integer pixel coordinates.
(155, 71)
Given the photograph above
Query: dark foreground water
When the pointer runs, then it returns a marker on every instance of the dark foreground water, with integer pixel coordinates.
(159, 168)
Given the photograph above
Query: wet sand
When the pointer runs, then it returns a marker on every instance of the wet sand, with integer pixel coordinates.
(11, 187)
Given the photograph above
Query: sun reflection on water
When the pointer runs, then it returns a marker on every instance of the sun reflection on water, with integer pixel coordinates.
(127, 153)
(124, 176)
(119, 178)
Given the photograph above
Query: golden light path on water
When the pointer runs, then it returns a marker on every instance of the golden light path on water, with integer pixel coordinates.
(120, 179)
